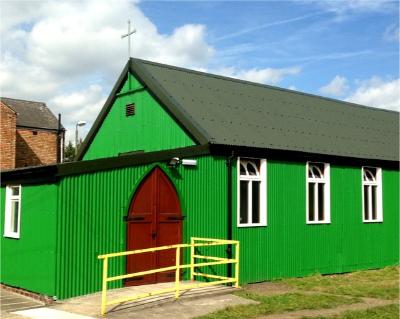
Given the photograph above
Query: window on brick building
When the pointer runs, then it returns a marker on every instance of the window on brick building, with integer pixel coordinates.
(12, 217)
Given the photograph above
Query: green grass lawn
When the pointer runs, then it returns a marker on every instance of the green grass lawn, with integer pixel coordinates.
(326, 292)
(385, 312)
(278, 303)
(382, 283)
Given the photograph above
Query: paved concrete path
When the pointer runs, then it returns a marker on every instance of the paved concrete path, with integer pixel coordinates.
(192, 303)
(11, 302)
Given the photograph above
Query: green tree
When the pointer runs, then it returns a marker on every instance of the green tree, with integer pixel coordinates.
(69, 152)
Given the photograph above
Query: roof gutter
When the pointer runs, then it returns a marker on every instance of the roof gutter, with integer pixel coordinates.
(51, 173)
(297, 156)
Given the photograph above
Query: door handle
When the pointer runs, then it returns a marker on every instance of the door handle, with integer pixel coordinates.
(153, 235)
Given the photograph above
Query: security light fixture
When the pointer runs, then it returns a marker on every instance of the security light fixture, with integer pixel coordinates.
(174, 162)
(189, 162)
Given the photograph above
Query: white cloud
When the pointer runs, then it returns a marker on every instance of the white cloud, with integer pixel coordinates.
(79, 105)
(392, 33)
(342, 6)
(13, 13)
(69, 53)
(337, 87)
(58, 51)
(264, 75)
(378, 93)
(21, 79)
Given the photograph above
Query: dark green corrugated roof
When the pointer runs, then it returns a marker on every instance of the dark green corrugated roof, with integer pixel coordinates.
(222, 110)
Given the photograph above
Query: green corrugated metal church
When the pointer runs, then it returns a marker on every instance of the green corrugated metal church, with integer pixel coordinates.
(306, 184)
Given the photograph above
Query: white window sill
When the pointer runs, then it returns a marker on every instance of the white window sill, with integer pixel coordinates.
(251, 225)
(11, 235)
(319, 223)
(372, 221)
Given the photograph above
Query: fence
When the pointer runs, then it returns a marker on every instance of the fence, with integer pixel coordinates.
(193, 267)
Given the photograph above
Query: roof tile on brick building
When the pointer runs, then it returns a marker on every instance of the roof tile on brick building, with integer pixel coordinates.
(32, 114)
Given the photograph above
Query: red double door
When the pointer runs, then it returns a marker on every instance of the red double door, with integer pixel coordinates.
(154, 219)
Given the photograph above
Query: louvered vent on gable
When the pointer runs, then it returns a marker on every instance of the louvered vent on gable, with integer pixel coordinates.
(130, 109)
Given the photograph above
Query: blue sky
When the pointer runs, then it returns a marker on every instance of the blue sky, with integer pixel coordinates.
(70, 53)
(276, 34)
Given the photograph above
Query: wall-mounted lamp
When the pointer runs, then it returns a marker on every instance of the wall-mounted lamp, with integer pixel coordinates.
(189, 162)
(174, 162)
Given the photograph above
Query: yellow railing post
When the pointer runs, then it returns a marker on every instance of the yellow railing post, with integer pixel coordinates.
(237, 261)
(177, 272)
(104, 288)
(192, 258)
(194, 242)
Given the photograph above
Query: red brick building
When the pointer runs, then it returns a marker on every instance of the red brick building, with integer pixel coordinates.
(30, 134)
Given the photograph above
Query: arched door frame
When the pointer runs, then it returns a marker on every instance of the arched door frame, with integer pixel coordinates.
(156, 204)
(142, 178)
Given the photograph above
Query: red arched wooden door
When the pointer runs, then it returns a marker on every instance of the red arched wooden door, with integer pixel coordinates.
(154, 219)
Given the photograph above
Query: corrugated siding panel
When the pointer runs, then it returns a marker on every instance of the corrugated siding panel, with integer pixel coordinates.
(203, 195)
(30, 261)
(288, 247)
(92, 207)
(119, 133)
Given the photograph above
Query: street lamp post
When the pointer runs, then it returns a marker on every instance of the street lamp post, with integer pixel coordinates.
(79, 123)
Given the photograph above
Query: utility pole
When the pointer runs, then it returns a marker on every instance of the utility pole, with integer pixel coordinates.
(79, 123)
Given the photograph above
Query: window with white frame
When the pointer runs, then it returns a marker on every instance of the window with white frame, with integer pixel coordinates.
(318, 193)
(252, 192)
(372, 194)
(12, 211)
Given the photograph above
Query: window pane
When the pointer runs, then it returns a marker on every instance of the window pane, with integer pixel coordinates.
(14, 216)
(242, 170)
(366, 202)
(317, 170)
(244, 190)
(311, 196)
(251, 169)
(256, 202)
(368, 176)
(321, 213)
(15, 191)
(374, 211)
(310, 173)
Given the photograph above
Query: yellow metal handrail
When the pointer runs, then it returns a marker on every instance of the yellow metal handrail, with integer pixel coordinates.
(194, 242)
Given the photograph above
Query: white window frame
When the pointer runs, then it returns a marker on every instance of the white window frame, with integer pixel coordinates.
(262, 178)
(8, 231)
(327, 194)
(378, 184)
